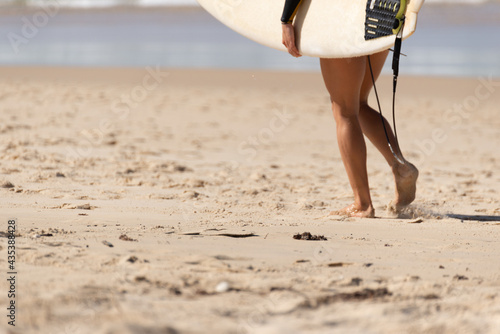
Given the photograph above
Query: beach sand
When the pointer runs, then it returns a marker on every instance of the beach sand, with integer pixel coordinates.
(167, 166)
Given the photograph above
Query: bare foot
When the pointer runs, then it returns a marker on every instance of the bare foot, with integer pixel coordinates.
(353, 211)
(406, 184)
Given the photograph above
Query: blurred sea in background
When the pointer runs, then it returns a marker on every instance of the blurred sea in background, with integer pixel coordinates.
(454, 38)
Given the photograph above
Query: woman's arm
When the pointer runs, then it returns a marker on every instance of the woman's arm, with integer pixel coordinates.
(291, 7)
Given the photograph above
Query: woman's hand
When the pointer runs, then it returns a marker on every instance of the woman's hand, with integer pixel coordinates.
(289, 40)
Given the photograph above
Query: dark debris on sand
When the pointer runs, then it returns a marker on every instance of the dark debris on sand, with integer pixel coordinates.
(125, 237)
(356, 296)
(309, 236)
(7, 185)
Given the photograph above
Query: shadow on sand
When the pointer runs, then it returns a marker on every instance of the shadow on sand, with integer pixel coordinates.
(415, 211)
(480, 218)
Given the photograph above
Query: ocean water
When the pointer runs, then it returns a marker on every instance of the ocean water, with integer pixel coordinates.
(451, 40)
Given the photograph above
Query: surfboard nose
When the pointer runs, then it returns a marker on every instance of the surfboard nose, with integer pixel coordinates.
(415, 5)
(411, 15)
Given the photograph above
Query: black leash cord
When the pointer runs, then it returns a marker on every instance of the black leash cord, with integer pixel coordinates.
(395, 68)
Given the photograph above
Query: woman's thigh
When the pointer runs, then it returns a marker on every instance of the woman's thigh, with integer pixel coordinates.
(343, 79)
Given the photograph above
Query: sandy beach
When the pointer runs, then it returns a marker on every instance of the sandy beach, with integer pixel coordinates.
(165, 201)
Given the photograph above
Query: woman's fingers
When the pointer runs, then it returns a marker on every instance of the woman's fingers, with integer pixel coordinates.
(294, 51)
(289, 40)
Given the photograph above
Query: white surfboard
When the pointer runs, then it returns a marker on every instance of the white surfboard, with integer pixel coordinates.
(325, 28)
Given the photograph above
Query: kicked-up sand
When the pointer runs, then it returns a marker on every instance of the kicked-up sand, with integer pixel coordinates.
(166, 201)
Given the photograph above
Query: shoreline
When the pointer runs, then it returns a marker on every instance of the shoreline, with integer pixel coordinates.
(88, 72)
(191, 38)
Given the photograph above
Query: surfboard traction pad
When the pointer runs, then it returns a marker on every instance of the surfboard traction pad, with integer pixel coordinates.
(383, 18)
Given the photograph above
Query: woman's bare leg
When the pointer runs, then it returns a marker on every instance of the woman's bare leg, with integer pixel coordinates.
(343, 79)
(405, 175)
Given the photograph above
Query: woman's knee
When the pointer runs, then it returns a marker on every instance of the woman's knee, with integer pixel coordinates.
(364, 108)
(345, 111)
(363, 104)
